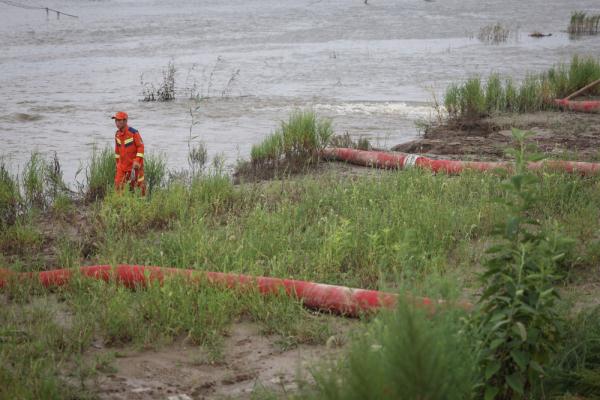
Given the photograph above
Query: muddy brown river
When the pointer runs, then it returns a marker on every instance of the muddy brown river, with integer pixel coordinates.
(372, 68)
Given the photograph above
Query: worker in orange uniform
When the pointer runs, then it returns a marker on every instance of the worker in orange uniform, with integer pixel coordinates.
(129, 154)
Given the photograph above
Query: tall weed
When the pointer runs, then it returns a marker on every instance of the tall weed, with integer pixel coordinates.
(517, 325)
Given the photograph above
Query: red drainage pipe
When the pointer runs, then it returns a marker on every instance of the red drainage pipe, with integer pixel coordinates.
(385, 160)
(586, 106)
(338, 299)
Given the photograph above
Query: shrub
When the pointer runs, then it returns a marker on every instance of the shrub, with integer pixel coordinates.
(516, 322)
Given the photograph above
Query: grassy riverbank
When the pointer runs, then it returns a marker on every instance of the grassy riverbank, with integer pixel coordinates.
(408, 230)
(475, 98)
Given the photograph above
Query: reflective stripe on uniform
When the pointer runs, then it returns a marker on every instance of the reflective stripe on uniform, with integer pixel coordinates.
(117, 156)
(127, 141)
(140, 155)
(118, 141)
(140, 179)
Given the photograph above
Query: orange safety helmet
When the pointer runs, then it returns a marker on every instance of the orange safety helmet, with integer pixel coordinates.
(120, 115)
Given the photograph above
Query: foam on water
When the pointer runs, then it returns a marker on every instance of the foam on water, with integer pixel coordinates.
(400, 109)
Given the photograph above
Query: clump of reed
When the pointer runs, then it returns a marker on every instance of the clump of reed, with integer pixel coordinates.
(583, 24)
(295, 146)
(99, 174)
(10, 197)
(493, 33)
(345, 140)
(476, 98)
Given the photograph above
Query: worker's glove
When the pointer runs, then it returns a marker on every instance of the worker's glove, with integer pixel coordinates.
(136, 165)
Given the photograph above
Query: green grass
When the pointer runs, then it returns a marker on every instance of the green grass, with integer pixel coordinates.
(476, 98)
(576, 369)
(10, 197)
(155, 172)
(402, 355)
(99, 174)
(405, 229)
(295, 144)
(44, 337)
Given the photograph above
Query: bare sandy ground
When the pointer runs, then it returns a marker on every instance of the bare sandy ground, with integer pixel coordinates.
(182, 371)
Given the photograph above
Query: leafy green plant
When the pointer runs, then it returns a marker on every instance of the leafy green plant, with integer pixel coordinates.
(516, 322)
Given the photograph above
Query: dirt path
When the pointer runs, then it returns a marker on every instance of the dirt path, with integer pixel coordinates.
(180, 371)
(558, 134)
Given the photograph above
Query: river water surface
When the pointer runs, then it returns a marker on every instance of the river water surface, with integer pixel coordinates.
(373, 69)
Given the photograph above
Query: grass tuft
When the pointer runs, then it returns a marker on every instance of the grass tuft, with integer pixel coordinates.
(10, 197)
(99, 174)
(295, 146)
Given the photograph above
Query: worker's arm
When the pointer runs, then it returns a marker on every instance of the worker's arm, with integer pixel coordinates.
(116, 150)
(139, 145)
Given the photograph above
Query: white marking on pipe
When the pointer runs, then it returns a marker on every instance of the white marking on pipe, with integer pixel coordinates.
(410, 160)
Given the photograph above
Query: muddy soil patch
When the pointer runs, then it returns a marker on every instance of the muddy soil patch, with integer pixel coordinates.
(249, 360)
(558, 134)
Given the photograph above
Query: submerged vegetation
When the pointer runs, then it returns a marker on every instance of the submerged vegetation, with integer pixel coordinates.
(494, 33)
(165, 90)
(475, 99)
(583, 24)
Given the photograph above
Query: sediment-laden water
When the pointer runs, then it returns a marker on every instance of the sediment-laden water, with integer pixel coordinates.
(372, 68)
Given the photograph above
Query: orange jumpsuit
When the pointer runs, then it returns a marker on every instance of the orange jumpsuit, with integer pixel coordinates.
(129, 147)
